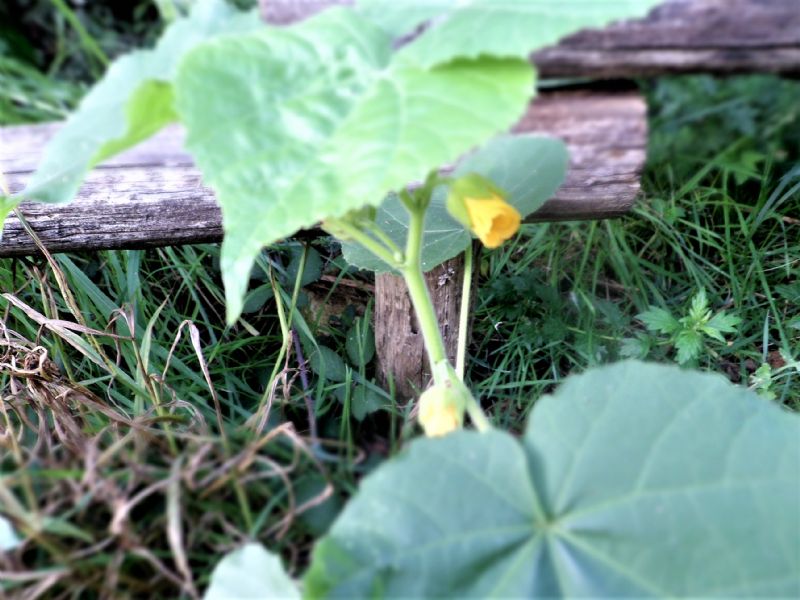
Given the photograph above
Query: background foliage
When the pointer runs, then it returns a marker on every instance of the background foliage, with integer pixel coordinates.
(719, 213)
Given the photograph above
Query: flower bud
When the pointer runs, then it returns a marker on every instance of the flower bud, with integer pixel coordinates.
(441, 410)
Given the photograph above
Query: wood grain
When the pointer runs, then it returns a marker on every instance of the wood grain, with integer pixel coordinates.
(680, 36)
(153, 196)
(685, 36)
(398, 338)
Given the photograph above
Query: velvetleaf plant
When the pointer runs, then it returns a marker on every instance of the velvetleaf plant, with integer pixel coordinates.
(633, 479)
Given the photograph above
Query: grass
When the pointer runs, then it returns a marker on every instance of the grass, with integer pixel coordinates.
(141, 438)
(719, 213)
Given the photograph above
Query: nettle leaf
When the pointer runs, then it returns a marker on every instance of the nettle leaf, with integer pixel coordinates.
(689, 344)
(631, 480)
(472, 28)
(131, 102)
(724, 322)
(250, 572)
(659, 319)
(293, 125)
(528, 168)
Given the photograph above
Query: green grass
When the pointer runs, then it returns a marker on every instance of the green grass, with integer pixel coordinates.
(151, 411)
(720, 212)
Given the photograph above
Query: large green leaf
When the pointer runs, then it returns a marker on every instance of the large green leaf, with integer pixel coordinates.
(250, 572)
(632, 480)
(528, 168)
(105, 122)
(290, 126)
(148, 110)
(472, 28)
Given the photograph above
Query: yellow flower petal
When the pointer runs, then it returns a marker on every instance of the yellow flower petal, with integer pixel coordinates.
(493, 219)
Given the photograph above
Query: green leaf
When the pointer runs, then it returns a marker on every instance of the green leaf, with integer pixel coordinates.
(472, 28)
(250, 572)
(312, 267)
(415, 120)
(327, 364)
(635, 347)
(699, 310)
(631, 480)
(148, 110)
(360, 344)
(258, 108)
(689, 344)
(724, 322)
(365, 400)
(293, 125)
(116, 114)
(256, 298)
(444, 237)
(317, 519)
(528, 168)
(64, 528)
(658, 319)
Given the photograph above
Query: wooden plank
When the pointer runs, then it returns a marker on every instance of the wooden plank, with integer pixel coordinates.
(680, 36)
(686, 36)
(153, 196)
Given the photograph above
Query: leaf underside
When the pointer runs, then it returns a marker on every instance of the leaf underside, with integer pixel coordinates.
(528, 168)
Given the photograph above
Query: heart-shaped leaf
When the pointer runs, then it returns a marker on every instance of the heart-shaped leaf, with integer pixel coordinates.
(632, 480)
(293, 125)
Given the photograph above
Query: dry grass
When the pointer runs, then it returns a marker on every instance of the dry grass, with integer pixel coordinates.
(118, 505)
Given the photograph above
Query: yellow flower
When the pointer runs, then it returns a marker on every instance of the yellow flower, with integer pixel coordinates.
(492, 219)
(439, 411)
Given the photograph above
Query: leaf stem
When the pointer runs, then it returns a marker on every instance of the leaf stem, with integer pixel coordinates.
(418, 289)
(463, 314)
(355, 233)
(477, 416)
(382, 237)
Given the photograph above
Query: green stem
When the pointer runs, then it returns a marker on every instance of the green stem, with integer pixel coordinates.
(382, 237)
(477, 416)
(463, 315)
(356, 234)
(418, 289)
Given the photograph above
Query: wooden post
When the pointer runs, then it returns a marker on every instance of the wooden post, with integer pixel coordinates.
(398, 340)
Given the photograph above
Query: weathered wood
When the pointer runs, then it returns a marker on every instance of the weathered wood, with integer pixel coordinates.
(398, 339)
(680, 36)
(685, 36)
(153, 196)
